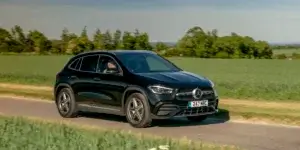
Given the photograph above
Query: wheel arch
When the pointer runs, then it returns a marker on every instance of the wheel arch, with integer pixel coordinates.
(129, 91)
(59, 87)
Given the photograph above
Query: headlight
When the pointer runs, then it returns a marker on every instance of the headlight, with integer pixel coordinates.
(212, 83)
(216, 93)
(158, 89)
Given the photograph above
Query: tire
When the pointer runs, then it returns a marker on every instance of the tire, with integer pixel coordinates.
(196, 118)
(73, 110)
(145, 118)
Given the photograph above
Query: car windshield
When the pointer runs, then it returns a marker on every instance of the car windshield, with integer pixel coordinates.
(146, 63)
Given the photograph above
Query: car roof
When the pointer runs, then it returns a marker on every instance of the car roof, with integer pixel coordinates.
(115, 52)
(109, 52)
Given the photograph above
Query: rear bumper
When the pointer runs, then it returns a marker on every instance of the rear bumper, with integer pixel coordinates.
(171, 109)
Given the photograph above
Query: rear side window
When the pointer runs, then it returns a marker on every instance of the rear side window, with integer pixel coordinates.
(89, 63)
(74, 65)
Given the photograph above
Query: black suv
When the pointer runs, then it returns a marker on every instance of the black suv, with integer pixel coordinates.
(138, 84)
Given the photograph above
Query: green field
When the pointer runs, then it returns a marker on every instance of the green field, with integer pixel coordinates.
(287, 52)
(21, 133)
(238, 78)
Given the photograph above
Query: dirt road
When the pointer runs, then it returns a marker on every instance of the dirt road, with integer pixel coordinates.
(249, 136)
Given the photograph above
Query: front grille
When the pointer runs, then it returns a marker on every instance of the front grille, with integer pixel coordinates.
(196, 111)
(186, 94)
(182, 109)
(186, 111)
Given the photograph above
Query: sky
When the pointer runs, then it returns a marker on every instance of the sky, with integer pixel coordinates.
(275, 21)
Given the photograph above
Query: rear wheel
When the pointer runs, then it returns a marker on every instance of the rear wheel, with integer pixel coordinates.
(66, 104)
(196, 118)
(138, 111)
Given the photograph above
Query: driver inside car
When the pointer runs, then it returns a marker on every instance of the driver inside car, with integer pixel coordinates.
(110, 67)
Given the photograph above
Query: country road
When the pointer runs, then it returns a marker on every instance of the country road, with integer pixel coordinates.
(248, 136)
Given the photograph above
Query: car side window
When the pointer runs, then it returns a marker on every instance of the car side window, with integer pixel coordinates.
(74, 64)
(89, 63)
(107, 65)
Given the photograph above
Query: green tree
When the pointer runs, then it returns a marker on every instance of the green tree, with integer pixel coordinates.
(160, 46)
(142, 42)
(195, 43)
(40, 42)
(117, 42)
(5, 38)
(83, 42)
(65, 38)
(128, 41)
(226, 47)
(263, 50)
(20, 43)
(108, 40)
(57, 47)
(98, 40)
(136, 40)
(72, 44)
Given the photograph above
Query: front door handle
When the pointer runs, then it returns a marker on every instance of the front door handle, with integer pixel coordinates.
(97, 79)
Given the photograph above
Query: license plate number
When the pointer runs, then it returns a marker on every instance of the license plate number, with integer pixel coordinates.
(198, 103)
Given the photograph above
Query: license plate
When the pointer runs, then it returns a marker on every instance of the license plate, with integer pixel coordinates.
(198, 103)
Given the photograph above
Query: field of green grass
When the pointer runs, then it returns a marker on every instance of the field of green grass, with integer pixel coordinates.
(287, 52)
(21, 133)
(239, 78)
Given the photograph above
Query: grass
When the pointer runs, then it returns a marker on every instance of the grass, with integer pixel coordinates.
(239, 78)
(22, 133)
(287, 52)
(28, 93)
(272, 115)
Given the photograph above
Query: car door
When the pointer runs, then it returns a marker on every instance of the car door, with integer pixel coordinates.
(86, 80)
(75, 81)
(112, 85)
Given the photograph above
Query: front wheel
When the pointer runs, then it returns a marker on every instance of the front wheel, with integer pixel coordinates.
(196, 118)
(138, 111)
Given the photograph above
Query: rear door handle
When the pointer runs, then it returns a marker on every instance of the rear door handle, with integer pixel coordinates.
(97, 79)
(74, 77)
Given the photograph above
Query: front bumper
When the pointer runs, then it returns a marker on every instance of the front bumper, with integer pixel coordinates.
(170, 109)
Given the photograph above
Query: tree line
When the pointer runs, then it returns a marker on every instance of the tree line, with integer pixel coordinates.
(286, 46)
(195, 43)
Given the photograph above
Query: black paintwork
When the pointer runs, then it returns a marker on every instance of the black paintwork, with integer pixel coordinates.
(107, 93)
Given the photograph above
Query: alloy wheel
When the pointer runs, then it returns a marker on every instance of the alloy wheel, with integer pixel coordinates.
(64, 103)
(136, 110)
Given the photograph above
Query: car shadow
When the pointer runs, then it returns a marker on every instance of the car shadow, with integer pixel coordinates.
(221, 117)
(108, 117)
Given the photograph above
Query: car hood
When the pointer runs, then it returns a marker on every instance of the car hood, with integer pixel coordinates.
(180, 78)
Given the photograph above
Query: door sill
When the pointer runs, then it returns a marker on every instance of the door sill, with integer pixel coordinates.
(101, 109)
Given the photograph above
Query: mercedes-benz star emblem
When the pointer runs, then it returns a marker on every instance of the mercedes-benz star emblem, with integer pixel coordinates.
(197, 93)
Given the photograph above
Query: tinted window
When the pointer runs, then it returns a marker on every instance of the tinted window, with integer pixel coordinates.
(79, 64)
(107, 64)
(146, 62)
(156, 64)
(74, 64)
(89, 63)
